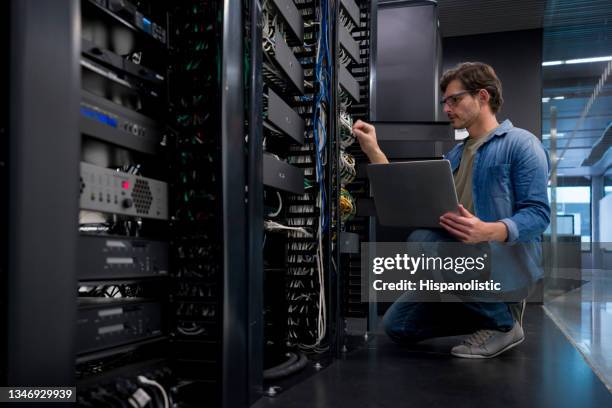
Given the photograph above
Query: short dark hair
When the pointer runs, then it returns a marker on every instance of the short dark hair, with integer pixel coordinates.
(475, 76)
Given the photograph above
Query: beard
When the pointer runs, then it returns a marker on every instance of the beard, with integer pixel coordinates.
(462, 122)
(458, 123)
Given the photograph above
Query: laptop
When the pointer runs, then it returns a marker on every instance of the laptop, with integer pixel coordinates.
(413, 194)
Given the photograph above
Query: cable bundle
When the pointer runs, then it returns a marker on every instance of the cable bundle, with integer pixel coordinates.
(347, 205)
(270, 225)
(346, 130)
(323, 77)
(306, 272)
(347, 168)
(269, 27)
(344, 57)
(345, 99)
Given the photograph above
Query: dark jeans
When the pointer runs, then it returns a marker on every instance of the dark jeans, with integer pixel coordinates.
(407, 321)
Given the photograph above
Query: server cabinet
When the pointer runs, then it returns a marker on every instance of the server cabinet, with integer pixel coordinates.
(146, 95)
(408, 62)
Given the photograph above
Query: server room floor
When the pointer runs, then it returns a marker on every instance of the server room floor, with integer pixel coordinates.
(544, 371)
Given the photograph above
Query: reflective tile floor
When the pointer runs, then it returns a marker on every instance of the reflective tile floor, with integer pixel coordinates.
(544, 371)
(585, 316)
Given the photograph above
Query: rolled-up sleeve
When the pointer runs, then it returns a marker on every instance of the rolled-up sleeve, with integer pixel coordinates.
(531, 213)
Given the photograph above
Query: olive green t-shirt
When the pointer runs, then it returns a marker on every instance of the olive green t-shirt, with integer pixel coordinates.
(463, 175)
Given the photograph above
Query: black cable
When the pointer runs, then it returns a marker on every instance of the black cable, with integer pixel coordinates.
(292, 358)
(286, 371)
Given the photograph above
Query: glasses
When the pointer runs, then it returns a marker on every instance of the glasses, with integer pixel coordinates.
(454, 99)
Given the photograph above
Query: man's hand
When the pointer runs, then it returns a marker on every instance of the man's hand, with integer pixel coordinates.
(366, 135)
(466, 227)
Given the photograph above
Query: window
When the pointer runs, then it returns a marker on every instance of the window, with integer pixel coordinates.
(574, 202)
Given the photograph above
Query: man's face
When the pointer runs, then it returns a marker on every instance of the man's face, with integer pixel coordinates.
(461, 107)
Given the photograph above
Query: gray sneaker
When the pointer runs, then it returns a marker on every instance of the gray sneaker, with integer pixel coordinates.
(489, 343)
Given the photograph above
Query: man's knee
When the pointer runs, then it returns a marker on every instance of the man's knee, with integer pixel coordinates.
(399, 326)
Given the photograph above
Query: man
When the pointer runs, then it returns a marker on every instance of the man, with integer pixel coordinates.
(501, 175)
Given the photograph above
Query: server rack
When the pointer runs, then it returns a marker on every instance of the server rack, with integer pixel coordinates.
(355, 39)
(293, 180)
(49, 62)
(216, 358)
(311, 289)
(195, 105)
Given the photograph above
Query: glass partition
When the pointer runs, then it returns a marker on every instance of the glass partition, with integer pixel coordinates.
(577, 131)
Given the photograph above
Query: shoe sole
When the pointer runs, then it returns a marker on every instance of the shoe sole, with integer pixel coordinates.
(508, 347)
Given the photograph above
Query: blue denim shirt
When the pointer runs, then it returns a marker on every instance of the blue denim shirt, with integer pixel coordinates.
(509, 181)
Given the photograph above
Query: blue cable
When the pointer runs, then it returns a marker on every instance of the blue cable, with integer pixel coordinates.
(323, 61)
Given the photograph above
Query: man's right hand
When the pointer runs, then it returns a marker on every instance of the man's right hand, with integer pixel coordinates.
(366, 135)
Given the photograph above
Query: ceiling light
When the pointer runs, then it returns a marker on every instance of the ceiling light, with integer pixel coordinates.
(593, 59)
(559, 98)
(545, 100)
(577, 61)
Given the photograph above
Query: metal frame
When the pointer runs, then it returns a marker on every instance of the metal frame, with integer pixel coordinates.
(4, 157)
(285, 118)
(373, 306)
(234, 378)
(335, 331)
(43, 191)
(349, 83)
(255, 209)
(373, 51)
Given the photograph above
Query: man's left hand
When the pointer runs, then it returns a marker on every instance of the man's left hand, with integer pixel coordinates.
(466, 227)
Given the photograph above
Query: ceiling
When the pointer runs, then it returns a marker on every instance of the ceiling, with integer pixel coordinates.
(466, 17)
(571, 29)
(578, 29)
